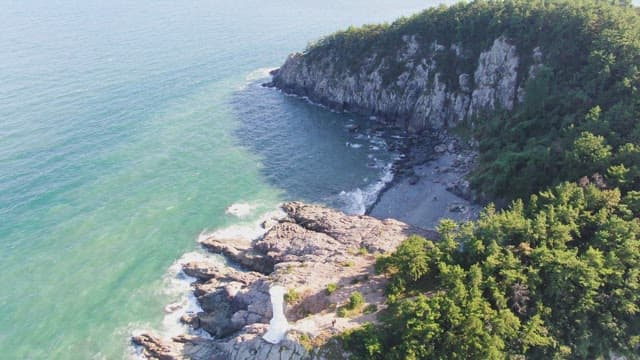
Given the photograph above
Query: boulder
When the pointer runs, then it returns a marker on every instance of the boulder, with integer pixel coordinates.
(155, 348)
(239, 251)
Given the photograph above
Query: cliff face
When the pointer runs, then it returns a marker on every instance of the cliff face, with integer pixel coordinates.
(413, 87)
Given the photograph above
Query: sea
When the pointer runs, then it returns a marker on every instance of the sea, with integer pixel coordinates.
(128, 129)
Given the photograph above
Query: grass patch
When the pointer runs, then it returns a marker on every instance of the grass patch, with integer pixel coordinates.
(331, 288)
(292, 296)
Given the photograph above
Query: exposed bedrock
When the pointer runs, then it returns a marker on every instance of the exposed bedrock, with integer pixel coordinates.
(312, 247)
(417, 96)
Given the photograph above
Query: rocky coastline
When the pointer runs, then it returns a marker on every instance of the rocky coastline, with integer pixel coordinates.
(322, 256)
(310, 250)
(412, 87)
(430, 182)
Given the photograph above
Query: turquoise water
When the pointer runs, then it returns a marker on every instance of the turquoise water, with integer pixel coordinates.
(127, 128)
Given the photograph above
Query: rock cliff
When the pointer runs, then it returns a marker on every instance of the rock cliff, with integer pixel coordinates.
(419, 85)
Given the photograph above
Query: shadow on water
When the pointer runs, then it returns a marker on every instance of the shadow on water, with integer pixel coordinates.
(310, 152)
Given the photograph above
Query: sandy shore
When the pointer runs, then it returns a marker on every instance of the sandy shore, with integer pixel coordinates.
(426, 192)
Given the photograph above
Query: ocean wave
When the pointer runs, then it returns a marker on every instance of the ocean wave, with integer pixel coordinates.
(357, 201)
(309, 101)
(240, 209)
(248, 230)
(177, 285)
(258, 74)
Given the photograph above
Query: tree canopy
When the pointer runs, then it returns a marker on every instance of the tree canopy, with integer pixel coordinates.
(553, 276)
(585, 94)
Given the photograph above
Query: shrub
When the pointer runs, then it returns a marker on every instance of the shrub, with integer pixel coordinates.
(356, 300)
(331, 288)
(370, 309)
(292, 296)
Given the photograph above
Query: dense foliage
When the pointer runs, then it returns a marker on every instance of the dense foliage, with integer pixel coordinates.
(579, 115)
(555, 278)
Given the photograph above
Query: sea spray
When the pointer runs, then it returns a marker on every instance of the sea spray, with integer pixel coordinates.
(240, 210)
(177, 285)
(356, 202)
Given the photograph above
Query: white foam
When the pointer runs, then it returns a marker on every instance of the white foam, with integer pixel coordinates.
(248, 231)
(306, 99)
(357, 201)
(177, 285)
(240, 209)
(258, 74)
(378, 141)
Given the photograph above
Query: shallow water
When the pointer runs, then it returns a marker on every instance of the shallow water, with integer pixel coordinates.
(127, 128)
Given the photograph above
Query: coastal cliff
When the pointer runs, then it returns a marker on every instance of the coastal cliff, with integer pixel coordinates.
(529, 83)
(543, 112)
(408, 86)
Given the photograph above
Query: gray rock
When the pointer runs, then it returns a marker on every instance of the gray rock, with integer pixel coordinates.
(451, 147)
(192, 320)
(440, 148)
(495, 78)
(417, 98)
(155, 348)
(202, 270)
(457, 208)
(241, 252)
(218, 323)
(313, 247)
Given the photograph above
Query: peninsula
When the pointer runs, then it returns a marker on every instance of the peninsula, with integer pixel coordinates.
(530, 104)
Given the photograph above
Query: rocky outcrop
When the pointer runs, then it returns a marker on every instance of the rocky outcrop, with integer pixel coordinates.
(246, 346)
(495, 78)
(419, 96)
(312, 247)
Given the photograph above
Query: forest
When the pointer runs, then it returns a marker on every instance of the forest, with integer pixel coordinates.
(555, 274)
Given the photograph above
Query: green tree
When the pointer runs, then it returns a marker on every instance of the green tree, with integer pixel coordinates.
(589, 154)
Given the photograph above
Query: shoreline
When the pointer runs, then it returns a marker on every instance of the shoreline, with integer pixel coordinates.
(309, 248)
(429, 183)
(433, 166)
(306, 249)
